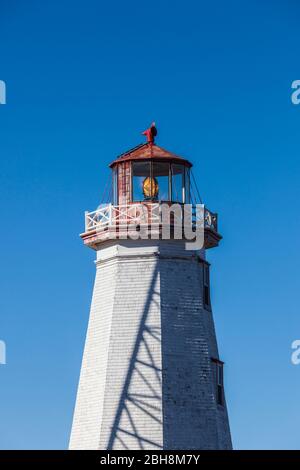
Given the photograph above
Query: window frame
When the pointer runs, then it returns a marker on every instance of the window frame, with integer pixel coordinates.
(219, 381)
(206, 286)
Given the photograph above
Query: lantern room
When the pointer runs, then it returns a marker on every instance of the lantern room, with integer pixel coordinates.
(144, 178)
(149, 173)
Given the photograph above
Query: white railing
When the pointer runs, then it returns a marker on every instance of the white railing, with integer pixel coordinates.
(117, 216)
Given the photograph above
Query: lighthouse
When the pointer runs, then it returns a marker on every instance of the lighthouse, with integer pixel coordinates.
(151, 375)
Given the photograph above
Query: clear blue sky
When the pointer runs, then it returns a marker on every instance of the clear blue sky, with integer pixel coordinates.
(83, 80)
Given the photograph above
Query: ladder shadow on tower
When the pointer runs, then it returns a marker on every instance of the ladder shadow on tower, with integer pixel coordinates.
(144, 373)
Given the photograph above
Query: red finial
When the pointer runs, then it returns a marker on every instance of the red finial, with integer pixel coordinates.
(150, 133)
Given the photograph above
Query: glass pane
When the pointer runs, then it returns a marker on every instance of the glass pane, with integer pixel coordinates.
(220, 395)
(220, 374)
(187, 186)
(177, 183)
(142, 185)
(161, 173)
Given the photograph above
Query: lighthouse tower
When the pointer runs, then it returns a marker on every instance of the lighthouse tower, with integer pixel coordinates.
(151, 375)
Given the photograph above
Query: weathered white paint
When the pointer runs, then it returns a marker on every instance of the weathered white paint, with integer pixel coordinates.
(147, 380)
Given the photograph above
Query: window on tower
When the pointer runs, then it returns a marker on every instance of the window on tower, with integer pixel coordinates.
(206, 288)
(219, 381)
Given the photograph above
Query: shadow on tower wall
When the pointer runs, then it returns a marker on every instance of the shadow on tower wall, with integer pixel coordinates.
(144, 374)
(174, 344)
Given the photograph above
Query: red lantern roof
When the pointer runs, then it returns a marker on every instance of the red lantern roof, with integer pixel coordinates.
(149, 151)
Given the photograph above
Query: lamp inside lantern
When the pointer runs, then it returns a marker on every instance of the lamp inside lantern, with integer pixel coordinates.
(150, 187)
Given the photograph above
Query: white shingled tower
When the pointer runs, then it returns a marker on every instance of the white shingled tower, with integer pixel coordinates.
(151, 377)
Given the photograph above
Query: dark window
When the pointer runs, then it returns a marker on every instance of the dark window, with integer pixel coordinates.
(206, 290)
(219, 381)
(220, 385)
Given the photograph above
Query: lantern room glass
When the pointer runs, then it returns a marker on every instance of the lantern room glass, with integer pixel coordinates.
(140, 172)
(177, 183)
(161, 174)
(187, 192)
(160, 181)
